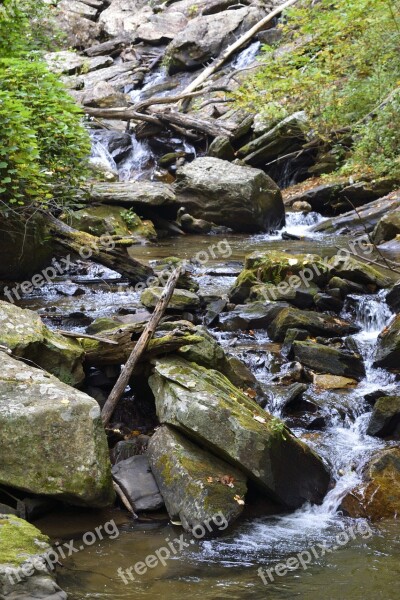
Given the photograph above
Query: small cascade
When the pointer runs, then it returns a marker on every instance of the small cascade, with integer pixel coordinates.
(138, 164)
(246, 56)
(101, 157)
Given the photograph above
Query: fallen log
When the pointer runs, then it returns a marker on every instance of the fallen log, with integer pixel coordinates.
(246, 37)
(140, 347)
(87, 246)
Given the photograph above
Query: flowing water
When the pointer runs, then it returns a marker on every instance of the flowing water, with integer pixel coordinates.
(342, 557)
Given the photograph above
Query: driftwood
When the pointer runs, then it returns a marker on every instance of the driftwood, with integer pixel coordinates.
(219, 62)
(140, 347)
(76, 335)
(118, 490)
(90, 246)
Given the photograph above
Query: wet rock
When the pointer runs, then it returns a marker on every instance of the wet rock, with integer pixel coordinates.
(195, 485)
(191, 225)
(378, 497)
(333, 382)
(256, 315)
(206, 36)
(181, 299)
(111, 220)
(54, 437)
(328, 302)
(290, 336)
(326, 359)
(102, 95)
(24, 572)
(136, 480)
(346, 287)
(313, 322)
(241, 198)
(25, 334)
(293, 271)
(80, 31)
(393, 298)
(388, 227)
(70, 63)
(301, 297)
(214, 309)
(385, 418)
(388, 348)
(301, 206)
(205, 405)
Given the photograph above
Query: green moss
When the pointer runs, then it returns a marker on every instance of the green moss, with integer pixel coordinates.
(19, 540)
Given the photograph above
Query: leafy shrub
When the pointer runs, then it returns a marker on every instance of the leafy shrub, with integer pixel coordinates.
(43, 144)
(338, 61)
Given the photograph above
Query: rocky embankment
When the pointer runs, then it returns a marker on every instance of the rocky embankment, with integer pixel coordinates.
(196, 430)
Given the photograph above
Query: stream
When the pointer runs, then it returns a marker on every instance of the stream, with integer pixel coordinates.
(364, 567)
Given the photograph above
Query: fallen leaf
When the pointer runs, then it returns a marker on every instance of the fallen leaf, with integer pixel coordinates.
(259, 419)
(239, 499)
(191, 384)
(227, 480)
(210, 479)
(250, 393)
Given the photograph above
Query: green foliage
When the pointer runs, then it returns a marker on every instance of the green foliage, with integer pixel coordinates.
(337, 61)
(43, 145)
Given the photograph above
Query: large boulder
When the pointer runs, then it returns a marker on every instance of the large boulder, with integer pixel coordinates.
(24, 333)
(204, 404)
(378, 497)
(393, 298)
(124, 17)
(388, 349)
(25, 562)
(388, 227)
(196, 485)
(180, 300)
(53, 438)
(242, 198)
(313, 322)
(206, 36)
(385, 418)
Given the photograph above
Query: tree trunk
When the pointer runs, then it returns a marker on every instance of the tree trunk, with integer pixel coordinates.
(89, 246)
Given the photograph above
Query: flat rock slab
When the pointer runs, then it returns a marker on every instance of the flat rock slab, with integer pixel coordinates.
(326, 359)
(198, 488)
(204, 405)
(134, 193)
(135, 478)
(311, 321)
(180, 300)
(55, 440)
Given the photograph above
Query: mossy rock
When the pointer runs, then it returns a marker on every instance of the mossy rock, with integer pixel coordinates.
(194, 482)
(111, 220)
(313, 322)
(359, 272)
(325, 359)
(55, 440)
(388, 348)
(28, 337)
(20, 540)
(206, 406)
(385, 418)
(181, 300)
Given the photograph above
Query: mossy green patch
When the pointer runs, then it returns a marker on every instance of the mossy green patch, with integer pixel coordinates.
(19, 540)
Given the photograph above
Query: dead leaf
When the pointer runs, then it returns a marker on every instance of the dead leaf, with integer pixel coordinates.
(239, 499)
(210, 479)
(259, 419)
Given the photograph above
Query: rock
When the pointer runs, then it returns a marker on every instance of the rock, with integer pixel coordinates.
(290, 336)
(388, 348)
(80, 31)
(196, 486)
(385, 418)
(128, 448)
(125, 16)
(333, 382)
(181, 299)
(25, 562)
(206, 406)
(287, 136)
(313, 322)
(391, 249)
(103, 95)
(191, 225)
(71, 63)
(326, 359)
(293, 271)
(221, 147)
(241, 198)
(139, 194)
(346, 287)
(257, 315)
(378, 497)
(388, 227)
(136, 480)
(358, 272)
(55, 440)
(303, 207)
(206, 36)
(25, 334)
(118, 143)
(80, 8)
(161, 28)
(112, 220)
(328, 302)
(393, 298)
